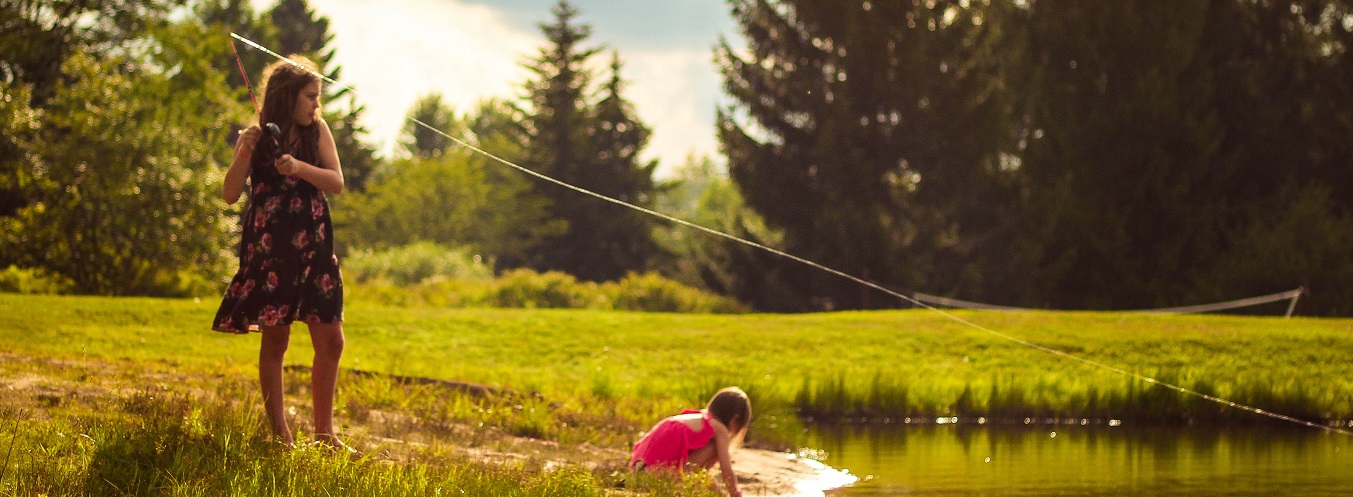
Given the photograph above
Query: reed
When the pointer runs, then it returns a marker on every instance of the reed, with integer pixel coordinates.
(1129, 401)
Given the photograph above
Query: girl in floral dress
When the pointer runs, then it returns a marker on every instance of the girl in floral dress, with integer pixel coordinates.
(288, 271)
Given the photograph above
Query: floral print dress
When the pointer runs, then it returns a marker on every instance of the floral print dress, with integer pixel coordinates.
(288, 270)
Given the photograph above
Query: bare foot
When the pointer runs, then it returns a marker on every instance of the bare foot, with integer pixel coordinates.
(331, 441)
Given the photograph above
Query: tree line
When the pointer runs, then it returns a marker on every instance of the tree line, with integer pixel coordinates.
(1048, 153)
(118, 116)
(1073, 154)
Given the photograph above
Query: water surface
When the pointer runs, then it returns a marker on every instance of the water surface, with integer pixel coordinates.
(1062, 460)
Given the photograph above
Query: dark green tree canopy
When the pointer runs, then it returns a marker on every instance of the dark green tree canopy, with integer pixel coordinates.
(1049, 153)
(872, 142)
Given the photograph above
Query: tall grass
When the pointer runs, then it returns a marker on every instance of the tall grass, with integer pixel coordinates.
(163, 440)
(1054, 399)
(152, 445)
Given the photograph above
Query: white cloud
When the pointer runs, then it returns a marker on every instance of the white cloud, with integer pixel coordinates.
(394, 52)
(673, 92)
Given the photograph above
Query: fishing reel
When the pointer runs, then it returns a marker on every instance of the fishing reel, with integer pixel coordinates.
(272, 131)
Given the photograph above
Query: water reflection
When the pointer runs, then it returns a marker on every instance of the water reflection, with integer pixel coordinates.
(968, 460)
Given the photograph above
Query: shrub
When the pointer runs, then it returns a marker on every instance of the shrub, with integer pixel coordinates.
(23, 280)
(651, 292)
(416, 263)
(525, 288)
(529, 289)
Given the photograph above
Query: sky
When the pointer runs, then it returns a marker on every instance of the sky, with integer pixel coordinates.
(392, 52)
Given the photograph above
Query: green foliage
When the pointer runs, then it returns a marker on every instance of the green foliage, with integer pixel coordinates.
(1118, 129)
(1302, 238)
(651, 292)
(422, 142)
(120, 185)
(452, 200)
(524, 288)
(20, 280)
(1062, 153)
(413, 264)
(706, 197)
(528, 289)
(36, 38)
(19, 125)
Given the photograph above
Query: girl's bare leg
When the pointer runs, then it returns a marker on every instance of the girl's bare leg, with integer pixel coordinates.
(270, 354)
(328, 342)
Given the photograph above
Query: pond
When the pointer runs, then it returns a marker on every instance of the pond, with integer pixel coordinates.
(1063, 460)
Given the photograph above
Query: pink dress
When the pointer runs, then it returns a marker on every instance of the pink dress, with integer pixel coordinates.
(670, 442)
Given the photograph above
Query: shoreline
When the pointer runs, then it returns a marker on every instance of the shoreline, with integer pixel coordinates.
(782, 474)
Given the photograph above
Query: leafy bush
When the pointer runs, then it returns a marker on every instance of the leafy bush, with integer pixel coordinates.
(529, 289)
(524, 288)
(416, 263)
(651, 292)
(23, 280)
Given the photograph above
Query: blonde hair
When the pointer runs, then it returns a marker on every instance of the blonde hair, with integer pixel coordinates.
(732, 408)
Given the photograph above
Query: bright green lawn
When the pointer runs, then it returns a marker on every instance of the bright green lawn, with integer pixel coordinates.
(656, 359)
(136, 396)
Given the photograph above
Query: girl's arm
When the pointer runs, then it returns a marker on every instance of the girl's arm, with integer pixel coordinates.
(239, 167)
(721, 447)
(328, 174)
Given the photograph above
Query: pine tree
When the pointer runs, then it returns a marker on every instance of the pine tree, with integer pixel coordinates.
(871, 135)
(238, 16)
(593, 147)
(617, 138)
(1126, 174)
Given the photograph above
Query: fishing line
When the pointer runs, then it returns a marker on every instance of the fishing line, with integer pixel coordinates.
(818, 266)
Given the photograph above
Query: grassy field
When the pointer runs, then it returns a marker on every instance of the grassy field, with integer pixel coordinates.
(136, 396)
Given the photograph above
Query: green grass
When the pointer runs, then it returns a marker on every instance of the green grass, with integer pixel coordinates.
(566, 382)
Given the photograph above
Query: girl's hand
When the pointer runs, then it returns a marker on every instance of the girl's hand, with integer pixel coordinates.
(248, 140)
(288, 165)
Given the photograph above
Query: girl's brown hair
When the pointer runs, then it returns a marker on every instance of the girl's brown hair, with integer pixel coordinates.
(282, 83)
(732, 408)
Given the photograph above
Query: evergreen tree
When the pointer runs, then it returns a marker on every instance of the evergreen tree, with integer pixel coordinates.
(595, 148)
(1123, 164)
(624, 235)
(237, 16)
(872, 135)
(1173, 154)
(1283, 98)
